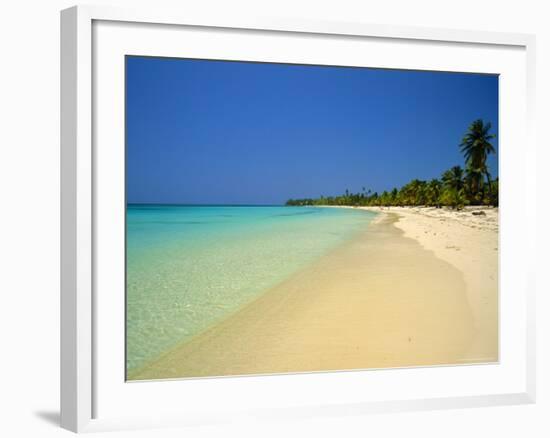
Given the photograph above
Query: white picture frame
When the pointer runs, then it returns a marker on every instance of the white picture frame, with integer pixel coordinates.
(79, 217)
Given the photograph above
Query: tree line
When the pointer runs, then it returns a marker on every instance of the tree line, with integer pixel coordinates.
(457, 186)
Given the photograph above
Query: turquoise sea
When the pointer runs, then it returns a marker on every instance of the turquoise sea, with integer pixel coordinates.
(189, 267)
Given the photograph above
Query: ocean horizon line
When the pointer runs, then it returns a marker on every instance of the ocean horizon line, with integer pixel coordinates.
(245, 251)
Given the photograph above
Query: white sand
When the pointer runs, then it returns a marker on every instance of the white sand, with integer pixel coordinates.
(418, 287)
(470, 243)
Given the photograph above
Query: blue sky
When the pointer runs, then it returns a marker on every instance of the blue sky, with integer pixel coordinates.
(218, 132)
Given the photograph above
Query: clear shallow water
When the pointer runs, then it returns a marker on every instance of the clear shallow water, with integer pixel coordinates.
(190, 266)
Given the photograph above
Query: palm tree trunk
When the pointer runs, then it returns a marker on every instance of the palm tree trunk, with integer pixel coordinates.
(489, 183)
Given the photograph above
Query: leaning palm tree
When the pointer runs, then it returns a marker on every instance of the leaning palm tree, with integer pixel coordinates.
(476, 146)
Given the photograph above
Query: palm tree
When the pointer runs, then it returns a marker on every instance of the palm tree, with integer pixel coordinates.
(474, 182)
(454, 178)
(453, 182)
(394, 195)
(433, 191)
(420, 192)
(476, 146)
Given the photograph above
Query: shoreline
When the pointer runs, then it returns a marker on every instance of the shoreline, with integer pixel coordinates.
(354, 308)
(470, 243)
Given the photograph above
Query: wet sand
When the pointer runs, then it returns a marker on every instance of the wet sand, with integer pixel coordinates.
(380, 301)
(470, 243)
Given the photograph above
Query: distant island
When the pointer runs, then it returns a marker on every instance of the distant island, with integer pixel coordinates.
(456, 188)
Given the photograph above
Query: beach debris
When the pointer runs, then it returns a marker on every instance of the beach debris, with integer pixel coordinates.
(478, 213)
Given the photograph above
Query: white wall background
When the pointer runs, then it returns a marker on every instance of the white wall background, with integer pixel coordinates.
(29, 215)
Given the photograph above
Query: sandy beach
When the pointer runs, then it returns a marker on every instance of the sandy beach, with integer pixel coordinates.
(417, 287)
(469, 242)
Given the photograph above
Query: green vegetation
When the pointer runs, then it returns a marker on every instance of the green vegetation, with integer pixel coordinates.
(456, 188)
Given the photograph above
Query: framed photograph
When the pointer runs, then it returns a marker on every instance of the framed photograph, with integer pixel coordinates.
(276, 218)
